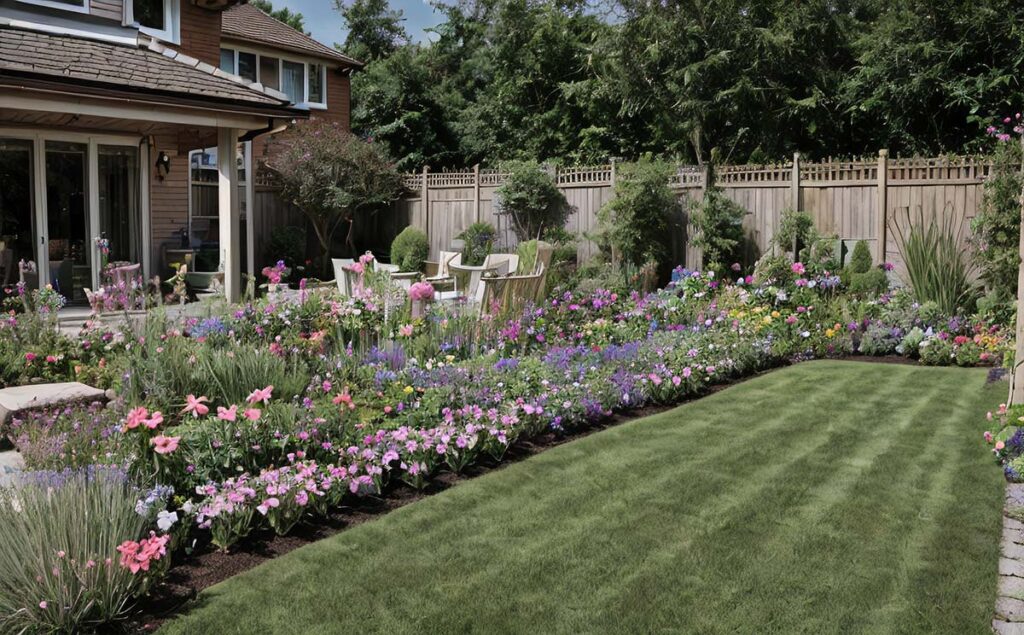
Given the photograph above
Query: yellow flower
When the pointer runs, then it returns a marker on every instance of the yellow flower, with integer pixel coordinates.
(775, 314)
(407, 390)
(767, 319)
(830, 333)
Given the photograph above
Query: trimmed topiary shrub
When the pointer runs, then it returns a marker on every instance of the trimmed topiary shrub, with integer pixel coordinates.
(870, 283)
(860, 260)
(410, 249)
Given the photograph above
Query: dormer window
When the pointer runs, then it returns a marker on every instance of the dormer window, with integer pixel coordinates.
(158, 18)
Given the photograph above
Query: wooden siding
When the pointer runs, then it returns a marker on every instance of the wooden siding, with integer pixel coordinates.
(110, 9)
(200, 33)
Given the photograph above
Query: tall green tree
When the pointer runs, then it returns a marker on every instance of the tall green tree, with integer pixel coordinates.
(293, 19)
(375, 30)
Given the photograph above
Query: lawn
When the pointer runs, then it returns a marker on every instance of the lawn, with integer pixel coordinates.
(827, 496)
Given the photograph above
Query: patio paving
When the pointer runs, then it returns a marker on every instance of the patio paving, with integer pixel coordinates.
(1009, 617)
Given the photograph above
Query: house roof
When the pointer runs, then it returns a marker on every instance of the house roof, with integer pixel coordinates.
(246, 23)
(145, 67)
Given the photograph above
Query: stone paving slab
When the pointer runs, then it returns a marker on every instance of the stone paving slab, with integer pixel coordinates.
(20, 398)
(11, 464)
(1009, 610)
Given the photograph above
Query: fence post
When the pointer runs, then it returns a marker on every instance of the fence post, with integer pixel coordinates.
(882, 211)
(794, 183)
(612, 160)
(476, 191)
(425, 202)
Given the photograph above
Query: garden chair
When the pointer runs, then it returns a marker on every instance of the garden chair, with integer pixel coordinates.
(510, 294)
(467, 278)
(443, 276)
(341, 275)
(502, 264)
(124, 273)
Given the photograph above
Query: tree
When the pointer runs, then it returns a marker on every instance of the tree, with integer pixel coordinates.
(292, 19)
(375, 31)
(531, 199)
(334, 178)
(636, 222)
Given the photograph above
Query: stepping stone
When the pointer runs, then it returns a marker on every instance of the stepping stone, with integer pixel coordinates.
(1011, 586)
(1011, 567)
(1007, 628)
(18, 398)
(1010, 609)
(11, 464)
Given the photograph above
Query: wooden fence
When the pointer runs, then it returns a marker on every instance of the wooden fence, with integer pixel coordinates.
(865, 199)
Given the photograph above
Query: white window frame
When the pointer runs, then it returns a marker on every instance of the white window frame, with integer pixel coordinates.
(84, 8)
(172, 20)
(281, 59)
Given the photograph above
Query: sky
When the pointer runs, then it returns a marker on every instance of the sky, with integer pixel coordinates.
(324, 23)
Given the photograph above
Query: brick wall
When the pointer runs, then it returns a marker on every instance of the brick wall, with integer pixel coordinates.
(338, 98)
(200, 33)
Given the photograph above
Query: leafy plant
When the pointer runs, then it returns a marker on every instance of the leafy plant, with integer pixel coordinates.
(635, 223)
(997, 225)
(530, 198)
(410, 249)
(287, 244)
(717, 222)
(478, 241)
(937, 268)
(796, 230)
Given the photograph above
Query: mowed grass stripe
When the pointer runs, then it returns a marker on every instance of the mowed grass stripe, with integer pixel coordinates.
(788, 501)
(796, 501)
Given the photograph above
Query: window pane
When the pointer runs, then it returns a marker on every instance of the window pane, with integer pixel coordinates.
(227, 61)
(293, 81)
(247, 66)
(17, 222)
(120, 221)
(269, 72)
(150, 13)
(316, 83)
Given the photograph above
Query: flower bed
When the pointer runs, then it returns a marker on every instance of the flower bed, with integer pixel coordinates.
(283, 410)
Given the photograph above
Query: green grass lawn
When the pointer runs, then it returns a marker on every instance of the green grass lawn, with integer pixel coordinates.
(824, 497)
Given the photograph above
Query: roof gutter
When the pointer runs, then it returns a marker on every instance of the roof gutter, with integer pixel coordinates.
(271, 128)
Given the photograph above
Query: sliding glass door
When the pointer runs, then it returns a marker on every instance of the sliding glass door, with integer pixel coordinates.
(119, 219)
(17, 219)
(67, 241)
(58, 194)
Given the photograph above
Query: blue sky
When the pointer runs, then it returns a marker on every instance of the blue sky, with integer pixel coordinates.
(324, 23)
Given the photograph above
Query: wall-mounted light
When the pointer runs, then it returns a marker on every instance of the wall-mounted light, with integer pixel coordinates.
(163, 162)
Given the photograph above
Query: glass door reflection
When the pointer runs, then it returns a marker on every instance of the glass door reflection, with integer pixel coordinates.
(68, 248)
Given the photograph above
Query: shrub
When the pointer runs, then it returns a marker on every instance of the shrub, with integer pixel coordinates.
(636, 221)
(530, 198)
(287, 244)
(796, 230)
(937, 270)
(870, 283)
(478, 241)
(860, 260)
(60, 570)
(718, 224)
(997, 225)
(410, 249)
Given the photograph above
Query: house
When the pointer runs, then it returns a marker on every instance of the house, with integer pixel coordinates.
(105, 105)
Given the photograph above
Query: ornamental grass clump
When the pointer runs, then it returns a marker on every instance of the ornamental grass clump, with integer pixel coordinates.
(60, 565)
(937, 269)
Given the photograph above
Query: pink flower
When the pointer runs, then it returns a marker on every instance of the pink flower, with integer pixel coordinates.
(798, 268)
(676, 380)
(253, 414)
(1000, 445)
(227, 414)
(43, 605)
(135, 418)
(30, 357)
(267, 505)
(687, 372)
(405, 330)
(154, 420)
(988, 437)
(165, 445)
(422, 291)
(50, 359)
(261, 395)
(195, 405)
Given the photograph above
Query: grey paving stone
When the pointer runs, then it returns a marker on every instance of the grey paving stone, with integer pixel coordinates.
(1008, 628)
(1012, 549)
(1010, 609)
(11, 464)
(1011, 567)
(19, 398)
(1011, 586)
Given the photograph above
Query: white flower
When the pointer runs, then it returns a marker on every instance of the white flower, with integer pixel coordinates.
(165, 520)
